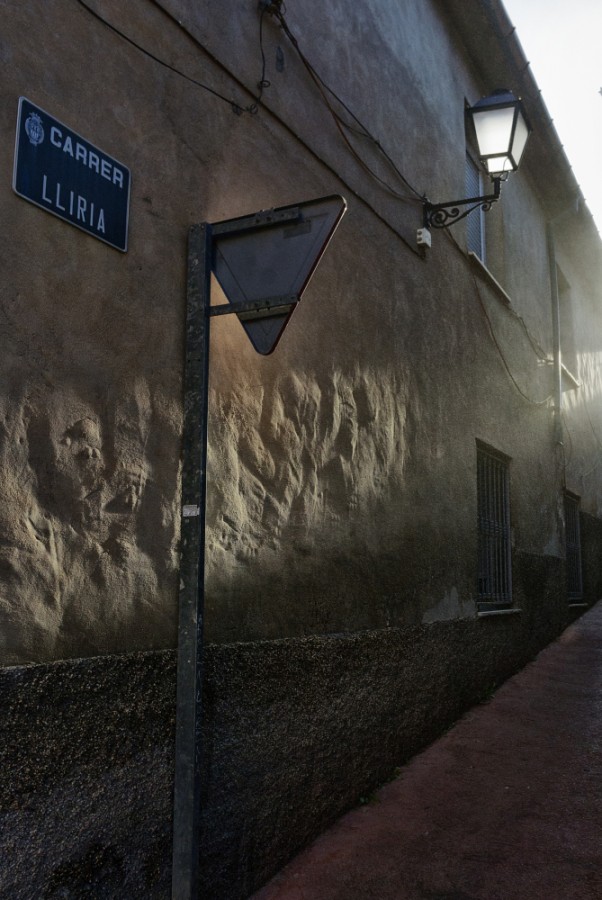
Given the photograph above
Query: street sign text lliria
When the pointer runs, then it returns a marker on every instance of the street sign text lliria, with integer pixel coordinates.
(63, 173)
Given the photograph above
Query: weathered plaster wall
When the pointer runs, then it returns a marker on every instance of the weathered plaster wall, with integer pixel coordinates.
(578, 259)
(91, 345)
(342, 494)
(342, 469)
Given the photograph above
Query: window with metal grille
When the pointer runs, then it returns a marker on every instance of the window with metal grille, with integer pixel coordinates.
(475, 222)
(573, 547)
(493, 517)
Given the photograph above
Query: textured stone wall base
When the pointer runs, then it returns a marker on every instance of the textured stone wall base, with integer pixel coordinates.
(296, 731)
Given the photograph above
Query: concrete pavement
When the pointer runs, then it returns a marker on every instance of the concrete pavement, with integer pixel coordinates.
(506, 806)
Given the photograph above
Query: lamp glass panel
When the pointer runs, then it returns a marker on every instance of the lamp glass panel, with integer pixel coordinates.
(520, 139)
(498, 164)
(493, 128)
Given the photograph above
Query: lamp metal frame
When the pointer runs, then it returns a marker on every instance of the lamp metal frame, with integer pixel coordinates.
(442, 215)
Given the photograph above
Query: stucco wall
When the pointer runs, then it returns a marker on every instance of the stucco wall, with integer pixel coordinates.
(342, 538)
(342, 470)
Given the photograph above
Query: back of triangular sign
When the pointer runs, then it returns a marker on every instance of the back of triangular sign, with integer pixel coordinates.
(274, 259)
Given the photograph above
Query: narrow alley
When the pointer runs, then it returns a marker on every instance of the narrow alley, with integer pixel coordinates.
(506, 806)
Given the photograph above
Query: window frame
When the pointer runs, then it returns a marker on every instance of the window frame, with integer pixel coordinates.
(494, 530)
(475, 222)
(572, 544)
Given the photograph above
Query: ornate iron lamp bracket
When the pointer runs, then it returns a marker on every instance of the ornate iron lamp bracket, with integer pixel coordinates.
(442, 215)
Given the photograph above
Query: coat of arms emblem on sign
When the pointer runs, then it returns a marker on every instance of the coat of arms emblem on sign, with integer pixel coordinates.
(34, 128)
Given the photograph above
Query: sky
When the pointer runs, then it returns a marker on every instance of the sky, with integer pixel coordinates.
(562, 40)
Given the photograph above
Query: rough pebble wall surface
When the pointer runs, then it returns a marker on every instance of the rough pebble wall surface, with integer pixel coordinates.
(295, 732)
(85, 792)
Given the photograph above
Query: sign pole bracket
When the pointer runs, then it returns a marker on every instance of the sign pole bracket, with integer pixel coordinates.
(269, 306)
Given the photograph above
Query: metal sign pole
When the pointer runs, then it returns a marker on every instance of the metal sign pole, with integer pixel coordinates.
(188, 756)
(244, 254)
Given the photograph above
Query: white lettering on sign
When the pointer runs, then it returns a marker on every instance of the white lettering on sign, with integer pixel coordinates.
(86, 157)
(79, 206)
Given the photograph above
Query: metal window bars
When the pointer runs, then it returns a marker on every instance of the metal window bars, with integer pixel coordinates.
(494, 545)
(573, 548)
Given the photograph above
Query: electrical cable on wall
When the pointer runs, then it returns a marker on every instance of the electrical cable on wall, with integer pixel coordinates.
(236, 107)
(263, 82)
(251, 109)
(539, 351)
(567, 460)
(501, 353)
(276, 10)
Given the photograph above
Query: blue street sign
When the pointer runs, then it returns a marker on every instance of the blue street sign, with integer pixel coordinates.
(61, 172)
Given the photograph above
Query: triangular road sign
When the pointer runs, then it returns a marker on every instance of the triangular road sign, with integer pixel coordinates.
(273, 256)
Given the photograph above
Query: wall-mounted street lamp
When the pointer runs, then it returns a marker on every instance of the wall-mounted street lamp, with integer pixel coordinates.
(501, 128)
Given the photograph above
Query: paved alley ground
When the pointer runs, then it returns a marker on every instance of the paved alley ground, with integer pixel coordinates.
(506, 806)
